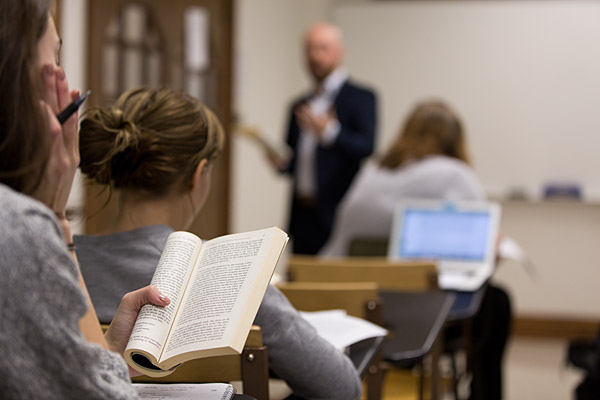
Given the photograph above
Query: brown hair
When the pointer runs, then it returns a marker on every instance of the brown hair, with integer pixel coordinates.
(432, 128)
(148, 140)
(24, 129)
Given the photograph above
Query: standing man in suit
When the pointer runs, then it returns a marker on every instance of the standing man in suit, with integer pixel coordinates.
(331, 130)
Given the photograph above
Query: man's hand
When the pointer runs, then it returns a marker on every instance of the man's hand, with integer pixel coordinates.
(311, 122)
(276, 161)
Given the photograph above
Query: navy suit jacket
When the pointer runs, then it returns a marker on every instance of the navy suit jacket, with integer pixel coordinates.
(338, 163)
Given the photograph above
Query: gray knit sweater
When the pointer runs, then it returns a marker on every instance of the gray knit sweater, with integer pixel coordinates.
(44, 355)
(115, 264)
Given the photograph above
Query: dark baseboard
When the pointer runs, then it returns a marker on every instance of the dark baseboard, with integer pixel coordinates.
(548, 327)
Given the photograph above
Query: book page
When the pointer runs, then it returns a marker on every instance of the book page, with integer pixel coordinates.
(219, 288)
(171, 276)
(185, 391)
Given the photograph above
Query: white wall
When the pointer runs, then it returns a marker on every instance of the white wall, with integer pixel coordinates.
(524, 75)
(561, 239)
(73, 55)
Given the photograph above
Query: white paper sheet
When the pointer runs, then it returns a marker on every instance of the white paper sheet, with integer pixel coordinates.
(340, 329)
(198, 391)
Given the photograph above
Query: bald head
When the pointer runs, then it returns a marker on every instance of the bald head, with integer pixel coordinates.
(324, 50)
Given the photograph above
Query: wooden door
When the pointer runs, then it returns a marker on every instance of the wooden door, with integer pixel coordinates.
(148, 42)
(56, 14)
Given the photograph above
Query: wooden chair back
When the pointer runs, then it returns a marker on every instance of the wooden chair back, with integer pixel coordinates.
(359, 299)
(388, 275)
(251, 368)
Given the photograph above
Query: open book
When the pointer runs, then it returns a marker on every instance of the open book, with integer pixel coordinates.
(215, 288)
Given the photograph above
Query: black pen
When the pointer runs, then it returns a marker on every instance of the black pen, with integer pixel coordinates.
(71, 108)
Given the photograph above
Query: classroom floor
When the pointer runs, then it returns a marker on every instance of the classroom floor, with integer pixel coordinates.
(535, 369)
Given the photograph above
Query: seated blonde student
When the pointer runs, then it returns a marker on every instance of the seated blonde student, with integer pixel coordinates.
(52, 346)
(429, 159)
(157, 147)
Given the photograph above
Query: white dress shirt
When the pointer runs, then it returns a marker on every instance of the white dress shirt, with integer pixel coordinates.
(320, 104)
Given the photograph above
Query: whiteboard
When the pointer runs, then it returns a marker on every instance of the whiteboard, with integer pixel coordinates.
(523, 75)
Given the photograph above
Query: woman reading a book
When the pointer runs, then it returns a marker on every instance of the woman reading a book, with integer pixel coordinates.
(157, 148)
(47, 325)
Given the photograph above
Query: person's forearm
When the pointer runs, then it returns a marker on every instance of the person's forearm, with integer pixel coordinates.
(89, 324)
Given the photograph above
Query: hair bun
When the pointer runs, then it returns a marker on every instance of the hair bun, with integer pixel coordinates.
(150, 140)
(127, 133)
(108, 144)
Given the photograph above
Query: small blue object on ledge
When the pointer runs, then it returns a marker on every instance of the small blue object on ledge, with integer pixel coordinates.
(562, 191)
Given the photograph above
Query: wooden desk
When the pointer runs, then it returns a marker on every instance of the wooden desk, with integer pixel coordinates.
(416, 320)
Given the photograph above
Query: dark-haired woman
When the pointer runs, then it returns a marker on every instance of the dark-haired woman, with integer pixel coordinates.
(48, 324)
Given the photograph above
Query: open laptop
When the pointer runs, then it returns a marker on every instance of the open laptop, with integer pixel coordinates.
(459, 236)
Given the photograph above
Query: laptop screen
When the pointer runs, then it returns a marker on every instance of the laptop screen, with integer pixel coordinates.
(444, 234)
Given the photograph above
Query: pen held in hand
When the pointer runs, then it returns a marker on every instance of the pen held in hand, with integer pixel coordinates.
(71, 108)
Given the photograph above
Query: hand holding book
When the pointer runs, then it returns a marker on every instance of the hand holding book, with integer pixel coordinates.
(215, 289)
